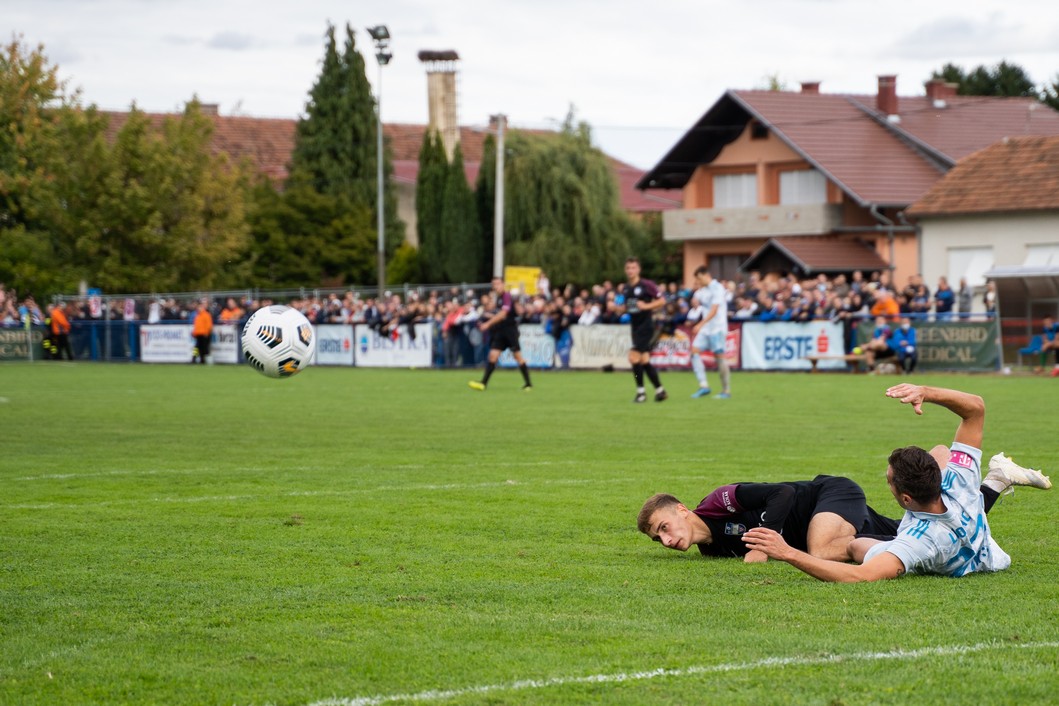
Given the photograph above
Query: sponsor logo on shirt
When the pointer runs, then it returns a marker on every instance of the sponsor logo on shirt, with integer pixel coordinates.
(734, 528)
(960, 458)
(727, 500)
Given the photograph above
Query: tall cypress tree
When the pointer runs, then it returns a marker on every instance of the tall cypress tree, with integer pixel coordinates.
(459, 223)
(336, 149)
(430, 195)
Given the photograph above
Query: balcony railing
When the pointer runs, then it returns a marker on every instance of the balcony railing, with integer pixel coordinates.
(758, 221)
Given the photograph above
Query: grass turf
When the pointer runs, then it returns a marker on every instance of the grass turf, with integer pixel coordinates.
(179, 534)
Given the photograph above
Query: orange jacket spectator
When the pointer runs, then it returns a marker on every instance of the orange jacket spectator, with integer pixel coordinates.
(59, 323)
(887, 306)
(203, 323)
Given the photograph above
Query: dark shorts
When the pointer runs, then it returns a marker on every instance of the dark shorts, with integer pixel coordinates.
(643, 336)
(846, 499)
(505, 339)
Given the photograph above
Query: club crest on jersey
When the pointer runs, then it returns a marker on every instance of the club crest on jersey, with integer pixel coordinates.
(734, 528)
(959, 458)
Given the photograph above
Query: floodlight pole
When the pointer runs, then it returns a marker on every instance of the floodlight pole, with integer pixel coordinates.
(498, 216)
(381, 36)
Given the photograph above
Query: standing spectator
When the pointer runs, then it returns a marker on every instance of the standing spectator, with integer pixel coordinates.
(944, 299)
(231, 313)
(989, 299)
(964, 297)
(60, 333)
(202, 329)
(904, 345)
(642, 299)
(885, 305)
(710, 332)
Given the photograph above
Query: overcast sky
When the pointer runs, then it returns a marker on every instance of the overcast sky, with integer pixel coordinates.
(640, 73)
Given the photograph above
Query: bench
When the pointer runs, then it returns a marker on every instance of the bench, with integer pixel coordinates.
(852, 360)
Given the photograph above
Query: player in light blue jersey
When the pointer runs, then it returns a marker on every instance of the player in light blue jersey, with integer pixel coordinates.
(945, 530)
(710, 332)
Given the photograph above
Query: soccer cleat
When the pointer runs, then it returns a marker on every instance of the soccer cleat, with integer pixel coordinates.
(701, 392)
(1006, 471)
(723, 396)
(661, 396)
(527, 388)
(640, 397)
(1055, 372)
(475, 385)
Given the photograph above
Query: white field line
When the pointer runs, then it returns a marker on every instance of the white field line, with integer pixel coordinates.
(187, 471)
(321, 493)
(622, 677)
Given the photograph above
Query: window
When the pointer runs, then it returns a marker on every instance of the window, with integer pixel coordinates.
(971, 263)
(1042, 256)
(802, 186)
(734, 190)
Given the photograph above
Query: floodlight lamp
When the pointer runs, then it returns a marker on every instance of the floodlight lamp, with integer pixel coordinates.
(379, 33)
(384, 57)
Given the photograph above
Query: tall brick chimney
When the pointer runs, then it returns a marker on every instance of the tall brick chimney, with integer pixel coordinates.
(811, 88)
(441, 96)
(886, 100)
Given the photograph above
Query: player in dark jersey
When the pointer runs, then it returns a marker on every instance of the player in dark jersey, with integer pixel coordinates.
(821, 516)
(642, 298)
(504, 330)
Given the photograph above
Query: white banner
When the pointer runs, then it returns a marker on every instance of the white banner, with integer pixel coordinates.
(784, 345)
(225, 343)
(600, 345)
(166, 343)
(334, 345)
(375, 351)
(538, 348)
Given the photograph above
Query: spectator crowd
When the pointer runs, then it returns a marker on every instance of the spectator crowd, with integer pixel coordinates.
(454, 313)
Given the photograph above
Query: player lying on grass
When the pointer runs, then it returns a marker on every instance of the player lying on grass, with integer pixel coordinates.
(944, 530)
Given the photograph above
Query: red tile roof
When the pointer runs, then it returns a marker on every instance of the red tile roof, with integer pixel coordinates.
(1016, 174)
(815, 254)
(268, 144)
(874, 160)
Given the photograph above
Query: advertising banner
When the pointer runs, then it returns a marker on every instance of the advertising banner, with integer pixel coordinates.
(784, 345)
(538, 348)
(674, 352)
(225, 344)
(334, 345)
(599, 346)
(13, 343)
(375, 351)
(950, 345)
(161, 343)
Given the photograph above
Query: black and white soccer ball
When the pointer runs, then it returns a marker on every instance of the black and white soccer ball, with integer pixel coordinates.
(278, 341)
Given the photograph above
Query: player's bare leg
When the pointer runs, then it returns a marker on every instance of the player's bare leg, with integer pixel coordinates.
(829, 536)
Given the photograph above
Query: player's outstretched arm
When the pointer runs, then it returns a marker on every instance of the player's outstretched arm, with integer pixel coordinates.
(883, 566)
(970, 408)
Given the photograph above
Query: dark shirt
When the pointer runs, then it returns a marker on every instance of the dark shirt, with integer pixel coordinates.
(644, 291)
(733, 509)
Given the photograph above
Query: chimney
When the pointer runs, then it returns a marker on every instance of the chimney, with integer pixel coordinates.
(886, 100)
(210, 108)
(441, 96)
(811, 88)
(939, 91)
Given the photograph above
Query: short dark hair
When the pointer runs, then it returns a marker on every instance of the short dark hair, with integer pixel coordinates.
(632, 259)
(654, 503)
(702, 270)
(916, 474)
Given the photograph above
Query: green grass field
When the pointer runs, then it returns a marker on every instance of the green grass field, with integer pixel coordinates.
(204, 535)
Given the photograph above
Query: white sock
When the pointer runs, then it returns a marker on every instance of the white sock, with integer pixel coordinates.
(700, 369)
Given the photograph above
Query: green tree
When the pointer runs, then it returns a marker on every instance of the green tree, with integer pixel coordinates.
(335, 150)
(459, 223)
(303, 236)
(430, 197)
(1050, 93)
(485, 202)
(562, 210)
(1003, 79)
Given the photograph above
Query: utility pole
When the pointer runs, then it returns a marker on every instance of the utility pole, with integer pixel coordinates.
(498, 222)
(381, 35)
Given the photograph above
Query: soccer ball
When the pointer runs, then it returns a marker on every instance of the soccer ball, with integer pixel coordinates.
(278, 341)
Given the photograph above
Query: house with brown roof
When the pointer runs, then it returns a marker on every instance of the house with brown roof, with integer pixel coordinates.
(995, 216)
(809, 182)
(267, 143)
